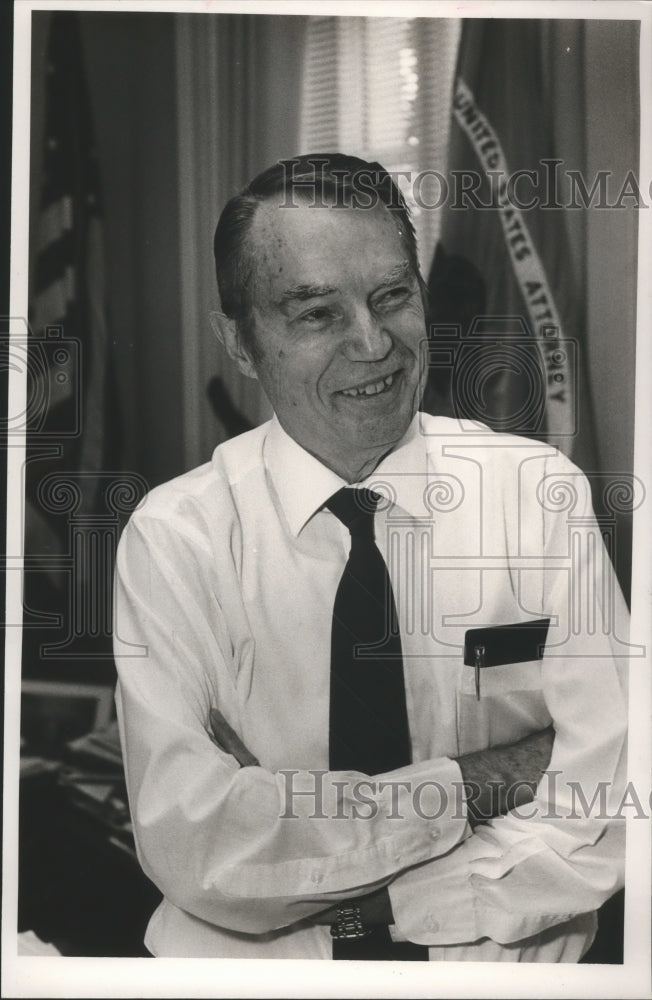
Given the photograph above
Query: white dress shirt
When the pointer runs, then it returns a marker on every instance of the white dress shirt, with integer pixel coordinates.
(226, 579)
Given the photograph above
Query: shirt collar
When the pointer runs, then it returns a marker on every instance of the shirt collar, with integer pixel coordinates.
(303, 484)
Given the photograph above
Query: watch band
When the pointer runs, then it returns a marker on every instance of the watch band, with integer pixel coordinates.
(348, 925)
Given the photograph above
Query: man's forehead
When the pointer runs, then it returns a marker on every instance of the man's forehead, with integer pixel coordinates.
(314, 240)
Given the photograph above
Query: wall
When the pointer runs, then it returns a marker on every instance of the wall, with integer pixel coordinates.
(612, 131)
(611, 242)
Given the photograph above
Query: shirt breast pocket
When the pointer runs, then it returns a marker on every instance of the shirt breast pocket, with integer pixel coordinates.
(501, 701)
(503, 679)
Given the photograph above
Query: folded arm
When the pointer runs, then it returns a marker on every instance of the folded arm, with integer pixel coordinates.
(217, 840)
(246, 848)
(495, 780)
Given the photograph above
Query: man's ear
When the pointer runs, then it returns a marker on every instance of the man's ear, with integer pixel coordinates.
(226, 331)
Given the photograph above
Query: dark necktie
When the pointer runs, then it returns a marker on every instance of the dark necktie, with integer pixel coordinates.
(368, 714)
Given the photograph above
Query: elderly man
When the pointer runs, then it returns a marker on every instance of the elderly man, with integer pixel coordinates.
(344, 643)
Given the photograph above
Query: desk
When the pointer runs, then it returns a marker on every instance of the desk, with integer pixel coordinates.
(79, 887)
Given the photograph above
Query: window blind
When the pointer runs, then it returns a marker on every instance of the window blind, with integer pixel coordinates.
(380, 88)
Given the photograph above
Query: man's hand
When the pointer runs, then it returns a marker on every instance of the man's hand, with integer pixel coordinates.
(228, 740)
(375, 909)
(501, 778)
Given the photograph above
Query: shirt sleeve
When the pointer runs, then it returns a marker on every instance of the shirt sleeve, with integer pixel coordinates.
(221, 841)
(562, 854)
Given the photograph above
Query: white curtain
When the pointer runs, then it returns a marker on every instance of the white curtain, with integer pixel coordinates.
(238, 87)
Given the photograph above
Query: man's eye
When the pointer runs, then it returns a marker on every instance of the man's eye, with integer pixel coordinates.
(314, 316)
(394, 296)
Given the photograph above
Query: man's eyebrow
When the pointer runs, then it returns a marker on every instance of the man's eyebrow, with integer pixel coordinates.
(401, 272)
(300, 293)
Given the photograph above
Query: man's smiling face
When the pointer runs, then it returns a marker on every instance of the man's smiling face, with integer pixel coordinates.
(337, 322)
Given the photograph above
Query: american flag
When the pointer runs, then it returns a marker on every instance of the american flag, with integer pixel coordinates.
(68, 280)
(69, 345)
(498, 262)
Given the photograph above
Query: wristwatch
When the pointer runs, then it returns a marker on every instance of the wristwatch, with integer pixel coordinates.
(348, 925)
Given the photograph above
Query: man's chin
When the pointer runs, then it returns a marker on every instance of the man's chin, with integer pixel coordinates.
(367, 435)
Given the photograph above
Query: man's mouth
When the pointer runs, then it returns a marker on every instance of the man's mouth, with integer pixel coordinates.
(371, 388)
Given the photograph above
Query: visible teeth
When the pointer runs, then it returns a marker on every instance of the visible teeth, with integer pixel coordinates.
(370, 390)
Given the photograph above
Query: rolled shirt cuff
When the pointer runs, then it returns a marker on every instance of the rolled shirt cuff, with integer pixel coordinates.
(433, 903)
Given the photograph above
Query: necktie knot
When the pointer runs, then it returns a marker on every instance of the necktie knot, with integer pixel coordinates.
(355, 508)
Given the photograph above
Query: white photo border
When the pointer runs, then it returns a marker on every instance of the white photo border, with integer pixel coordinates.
(92, 977)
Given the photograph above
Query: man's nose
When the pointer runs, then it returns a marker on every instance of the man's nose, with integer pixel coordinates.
(366, 338)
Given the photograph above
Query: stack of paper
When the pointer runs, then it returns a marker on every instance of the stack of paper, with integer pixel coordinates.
(30, 944)
(101, 748)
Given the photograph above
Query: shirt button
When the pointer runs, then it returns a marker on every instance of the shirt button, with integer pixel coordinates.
(317, 877)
